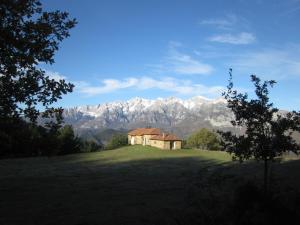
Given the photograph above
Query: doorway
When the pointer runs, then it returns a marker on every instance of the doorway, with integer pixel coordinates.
(173, 144)
(132, 140)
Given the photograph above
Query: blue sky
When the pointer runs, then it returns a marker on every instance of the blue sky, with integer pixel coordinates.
(122, 49)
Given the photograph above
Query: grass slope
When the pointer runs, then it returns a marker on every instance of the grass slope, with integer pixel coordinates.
(130, 185)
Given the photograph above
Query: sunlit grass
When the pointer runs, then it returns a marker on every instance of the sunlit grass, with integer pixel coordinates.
(138, 152)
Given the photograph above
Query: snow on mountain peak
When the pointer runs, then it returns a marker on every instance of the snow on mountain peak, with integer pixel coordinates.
(168, 112)
(142, 104)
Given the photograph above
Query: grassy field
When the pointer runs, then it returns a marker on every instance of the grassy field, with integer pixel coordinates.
(130, 185)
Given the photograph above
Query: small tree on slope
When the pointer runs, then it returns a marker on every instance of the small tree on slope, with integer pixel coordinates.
(204, 139)
(267, 135)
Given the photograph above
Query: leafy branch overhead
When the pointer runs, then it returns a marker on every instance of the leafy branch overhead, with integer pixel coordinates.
(30, 36)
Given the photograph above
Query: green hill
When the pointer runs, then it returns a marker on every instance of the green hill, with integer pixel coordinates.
(130, 185)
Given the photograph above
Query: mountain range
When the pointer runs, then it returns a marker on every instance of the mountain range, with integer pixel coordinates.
(175, 115)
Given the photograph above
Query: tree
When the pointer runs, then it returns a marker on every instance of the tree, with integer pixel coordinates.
(30, 36)
(117, 140)
(204, 139)
(268, 132)
(69, 143)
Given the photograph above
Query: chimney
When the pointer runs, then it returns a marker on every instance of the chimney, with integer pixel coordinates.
(163, 135)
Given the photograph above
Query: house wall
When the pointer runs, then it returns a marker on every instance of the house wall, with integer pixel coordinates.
(137, 140)
(160, 144)
(165, 144)
(177, 144)
(147, 139)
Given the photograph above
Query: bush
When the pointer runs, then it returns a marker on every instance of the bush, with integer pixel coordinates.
(90, 146)
(185, 145)
(117, 140)
(204, 139)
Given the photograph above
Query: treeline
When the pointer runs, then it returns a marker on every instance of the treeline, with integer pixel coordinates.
(19, 138)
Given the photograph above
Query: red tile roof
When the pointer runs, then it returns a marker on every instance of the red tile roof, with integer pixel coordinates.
(166, 137)
(145, 131)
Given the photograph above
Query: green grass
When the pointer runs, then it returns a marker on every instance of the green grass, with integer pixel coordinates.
(130, 185)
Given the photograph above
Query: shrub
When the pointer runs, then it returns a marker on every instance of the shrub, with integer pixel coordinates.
(204, 139)
(117, 141)
(90, 146)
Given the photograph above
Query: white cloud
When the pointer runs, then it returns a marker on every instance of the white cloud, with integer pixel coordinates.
(226, 23)
(231, 23)
(238, 39)
(275, 64)
(185, 64)
(108, 85)
(55, 75)
(181, 63)
(181, 87)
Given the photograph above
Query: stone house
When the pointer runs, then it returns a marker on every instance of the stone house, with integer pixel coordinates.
(141, 136)
(166, 141)
(154, 137)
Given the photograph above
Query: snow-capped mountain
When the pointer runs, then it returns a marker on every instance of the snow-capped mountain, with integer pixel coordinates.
(173, 114)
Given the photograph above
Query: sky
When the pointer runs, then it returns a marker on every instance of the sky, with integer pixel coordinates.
(121, 49)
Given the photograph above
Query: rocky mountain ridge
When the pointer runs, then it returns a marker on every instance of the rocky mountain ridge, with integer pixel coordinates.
(172, 114)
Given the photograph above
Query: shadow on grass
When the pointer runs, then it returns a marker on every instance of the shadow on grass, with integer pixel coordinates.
(75, 165)
(188, 190)
(235, 196)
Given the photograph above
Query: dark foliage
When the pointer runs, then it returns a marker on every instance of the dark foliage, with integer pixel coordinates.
(68, 142)
(29, 36)
(90, 146)
(252, 207)
(33, 140)
(268, 134)
(117, 140)
(212, 200)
